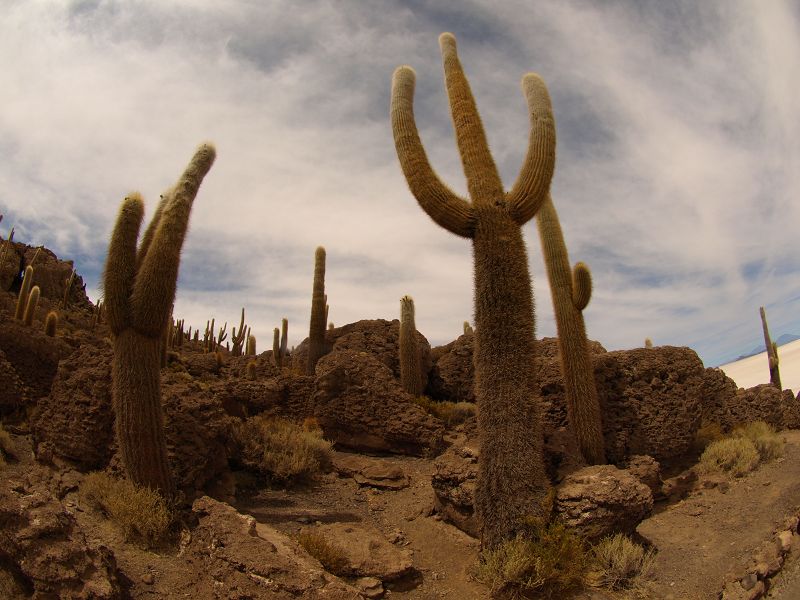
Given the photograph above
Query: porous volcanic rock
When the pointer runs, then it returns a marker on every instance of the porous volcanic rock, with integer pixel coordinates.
(76, 420)
(452, 375)
(252, 560)
(763, 402)
(647, 470)
(360, 405)
(33, 355)
(45, 552)
(651, 401)
(719, 393)
(453, 481)
(377, 337)
(13, 395)
(49, 273)
(286, 395)
(601, 500)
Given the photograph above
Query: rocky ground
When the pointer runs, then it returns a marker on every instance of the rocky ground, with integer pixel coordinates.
(397, 499)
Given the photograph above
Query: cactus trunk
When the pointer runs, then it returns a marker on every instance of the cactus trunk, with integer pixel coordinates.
(583, 406)
(772, 353)
(316, 334)
(410, 368)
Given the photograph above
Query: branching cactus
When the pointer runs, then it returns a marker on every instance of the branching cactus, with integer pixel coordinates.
(139, 292)
(238, 338)
(772, 352)
(316, 332)
(410, 368)
(571, 290)
(512, 482)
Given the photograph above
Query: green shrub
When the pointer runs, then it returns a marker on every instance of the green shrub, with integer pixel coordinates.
(617, 563)
(734, 455)
(141, 513)
(332, 557)
(768, 443)
(546, 562)
(280, 449)
(451, 413)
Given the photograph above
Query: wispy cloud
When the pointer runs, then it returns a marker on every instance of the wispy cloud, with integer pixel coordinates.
(677, 158)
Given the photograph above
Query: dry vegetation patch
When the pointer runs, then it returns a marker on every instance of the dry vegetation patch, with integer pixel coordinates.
(742, 451)
(280, 449)
(141, 513)
(331, 556)
(619, 563)
(451, 413)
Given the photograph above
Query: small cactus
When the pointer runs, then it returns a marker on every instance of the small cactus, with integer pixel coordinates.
(772, 352)
(316, 332)
(648, 343)
(24, 292)
(31, 306)
(250, 370)
(467, 328)
(51, 323)
(410, 368)
(251, 345)
(276, 347)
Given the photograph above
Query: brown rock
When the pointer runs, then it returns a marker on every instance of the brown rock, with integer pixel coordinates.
(719, 392)
(600, 500)
(451, 378)
(360, 405)
(367, 552)
(382, 476)
(13, 394)
(284, 395)
(453, 484)
(33, 355)
(763, 402)
(647, 470)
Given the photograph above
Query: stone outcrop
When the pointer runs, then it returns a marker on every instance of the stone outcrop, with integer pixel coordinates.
(360, 405)
(601, 500)
(33, 355)
(13, 394)
(453, 481)
(286, 395)
(452, 375)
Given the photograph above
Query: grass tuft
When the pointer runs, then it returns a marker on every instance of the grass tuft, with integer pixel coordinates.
(141, 513)
(547, 562)
(735, 456)
(619, 563)
(280, 449)
(451, 413)
(768, 443)
(331, 556)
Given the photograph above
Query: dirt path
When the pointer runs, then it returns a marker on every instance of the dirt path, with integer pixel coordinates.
(715, 531)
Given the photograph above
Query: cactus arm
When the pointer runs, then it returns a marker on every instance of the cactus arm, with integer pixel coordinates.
(483, 180)
(581, 285)
(533, 182)
(120, 269)
(156, 282)
(152, 227)
(444, 206)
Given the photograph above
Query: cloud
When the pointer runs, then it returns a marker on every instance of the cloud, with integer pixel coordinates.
(675, 181)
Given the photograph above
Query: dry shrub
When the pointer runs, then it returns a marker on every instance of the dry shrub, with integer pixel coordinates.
(735, 455)
(6, 446)
(451, 413)
(332, 557)
(768, 443)
(280, 449)
(708, 432)
(546, 563)
(141, 513)
(619, 563)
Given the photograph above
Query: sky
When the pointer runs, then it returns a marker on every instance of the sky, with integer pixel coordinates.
(677, 169)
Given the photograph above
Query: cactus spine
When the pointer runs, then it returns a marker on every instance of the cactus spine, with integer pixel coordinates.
(316, 332)
(512, 482)
(51, 323)
(772, 352)
(571, 290)
(24, 292)
(410, 368)
(139, 293)
(31, 306)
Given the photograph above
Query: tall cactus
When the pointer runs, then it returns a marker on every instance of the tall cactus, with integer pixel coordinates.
(571, 291)
(139, 293)
(24, 292)
(316, 332)
(276, 347)
(31, 306)
(410, 367)
(284, 339)
(772, 352)
(512, 482)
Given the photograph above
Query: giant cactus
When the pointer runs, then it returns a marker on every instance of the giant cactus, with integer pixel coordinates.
(410, 367)
(772, 352)
(571, 291)
(512, 483)
(139, 291)
(316, 333)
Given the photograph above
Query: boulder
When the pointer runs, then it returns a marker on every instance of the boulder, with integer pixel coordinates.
(13, 394)
(453, 481)
(377, 337)
(719, 393)
(246, 559)
(647, 470)
(452, 376)
(33, 355)
(763, 402)
(44, 550)
(601, 500)
(76, 420)
(284, 395)
(359, 405)
(370, 472)
(366, 551)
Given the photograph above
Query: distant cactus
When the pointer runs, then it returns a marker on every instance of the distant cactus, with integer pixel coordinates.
(512, 482)
(276, 347)
(31, 306)
(139, 293)
(772, 353)
(331, 326)
(284, 339)
(251, 345)
(250, 370)
(410, 368)
(648, 343)
(316, 332)
(24, 292)
(571, 291)
(51, 323)
(468, 328)
(67, 289)
(238, 338)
